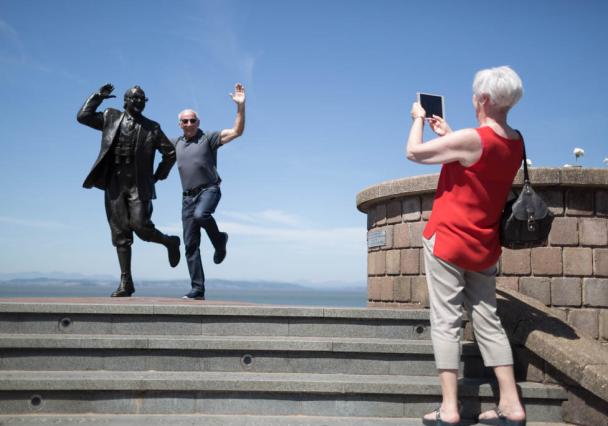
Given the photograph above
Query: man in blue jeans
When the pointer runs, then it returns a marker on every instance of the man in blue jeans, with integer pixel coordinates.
(197, 164)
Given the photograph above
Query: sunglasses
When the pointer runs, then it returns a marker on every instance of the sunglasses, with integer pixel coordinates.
(138, 98)
(188, 120)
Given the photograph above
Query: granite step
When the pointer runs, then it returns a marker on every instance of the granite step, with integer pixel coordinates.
(273, 354)
(152, 392)
(215, 420)
(211, 320)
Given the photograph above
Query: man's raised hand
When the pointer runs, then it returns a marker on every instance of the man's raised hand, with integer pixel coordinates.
(239, 94)
(106, 90)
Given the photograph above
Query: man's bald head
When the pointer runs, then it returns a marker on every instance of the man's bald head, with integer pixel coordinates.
(189, 122)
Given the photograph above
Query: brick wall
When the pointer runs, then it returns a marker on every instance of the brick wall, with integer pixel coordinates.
(570, 274)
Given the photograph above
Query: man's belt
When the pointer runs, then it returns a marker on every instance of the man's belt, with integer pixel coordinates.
(195, 191)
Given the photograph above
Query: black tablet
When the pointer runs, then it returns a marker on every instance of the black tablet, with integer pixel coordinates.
(432, 104)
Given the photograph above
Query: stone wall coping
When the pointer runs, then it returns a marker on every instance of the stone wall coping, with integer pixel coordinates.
(426, 184)
(533, 325)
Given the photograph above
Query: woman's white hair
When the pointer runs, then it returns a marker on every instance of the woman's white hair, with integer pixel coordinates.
(502, 85)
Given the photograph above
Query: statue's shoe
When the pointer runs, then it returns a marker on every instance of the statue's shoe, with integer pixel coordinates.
(220, 253)
(125, 288)
(173, 251)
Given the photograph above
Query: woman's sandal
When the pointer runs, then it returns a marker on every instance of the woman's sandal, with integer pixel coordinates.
(501, 419)
(437, 421)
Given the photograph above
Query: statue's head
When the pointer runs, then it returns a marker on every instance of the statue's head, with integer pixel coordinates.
(135, 100)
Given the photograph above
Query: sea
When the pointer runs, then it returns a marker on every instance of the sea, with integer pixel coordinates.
(265, 294)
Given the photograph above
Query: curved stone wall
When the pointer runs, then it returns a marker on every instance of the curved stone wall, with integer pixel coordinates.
(570, 274)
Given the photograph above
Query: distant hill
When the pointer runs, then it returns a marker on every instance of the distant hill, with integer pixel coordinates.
(54, 275)
(76, 280)
(259, 292)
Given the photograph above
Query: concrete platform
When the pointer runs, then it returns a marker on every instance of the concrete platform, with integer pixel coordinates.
(254, 382)
(181, 306)
(284, 394)
(133, 300)
(161, 359)
(216, 420)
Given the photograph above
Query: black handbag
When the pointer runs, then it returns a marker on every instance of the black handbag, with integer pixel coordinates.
(526, 220)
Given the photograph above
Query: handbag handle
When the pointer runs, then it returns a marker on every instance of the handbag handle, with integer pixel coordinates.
(526, 176)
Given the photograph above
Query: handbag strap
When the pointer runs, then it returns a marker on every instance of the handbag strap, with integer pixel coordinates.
(526, 176)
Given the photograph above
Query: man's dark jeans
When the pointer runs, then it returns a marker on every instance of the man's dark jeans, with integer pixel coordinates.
(196, 214)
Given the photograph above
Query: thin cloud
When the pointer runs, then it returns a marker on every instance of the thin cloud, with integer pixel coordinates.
(29, 223)
(217, 34)
(281, 227)
(13, 52)
(11, 47)
(279, 216)
(271, 215)
(317, 236)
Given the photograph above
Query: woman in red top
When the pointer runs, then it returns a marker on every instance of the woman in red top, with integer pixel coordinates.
(461, 239)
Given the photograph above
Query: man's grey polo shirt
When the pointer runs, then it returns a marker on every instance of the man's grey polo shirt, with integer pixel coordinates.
(197, 159)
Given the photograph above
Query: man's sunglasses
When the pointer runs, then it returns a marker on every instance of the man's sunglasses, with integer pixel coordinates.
(188, 120)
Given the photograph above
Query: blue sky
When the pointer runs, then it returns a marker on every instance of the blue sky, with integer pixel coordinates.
(329, 88)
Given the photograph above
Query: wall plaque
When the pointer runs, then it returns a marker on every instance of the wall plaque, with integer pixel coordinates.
(376, 239)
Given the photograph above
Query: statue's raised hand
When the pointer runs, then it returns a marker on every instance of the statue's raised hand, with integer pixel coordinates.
(106, 90)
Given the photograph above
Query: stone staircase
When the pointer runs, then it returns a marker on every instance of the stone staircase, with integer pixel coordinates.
(142, 362)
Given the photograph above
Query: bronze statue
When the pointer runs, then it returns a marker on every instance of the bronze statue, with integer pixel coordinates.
(124, 169)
